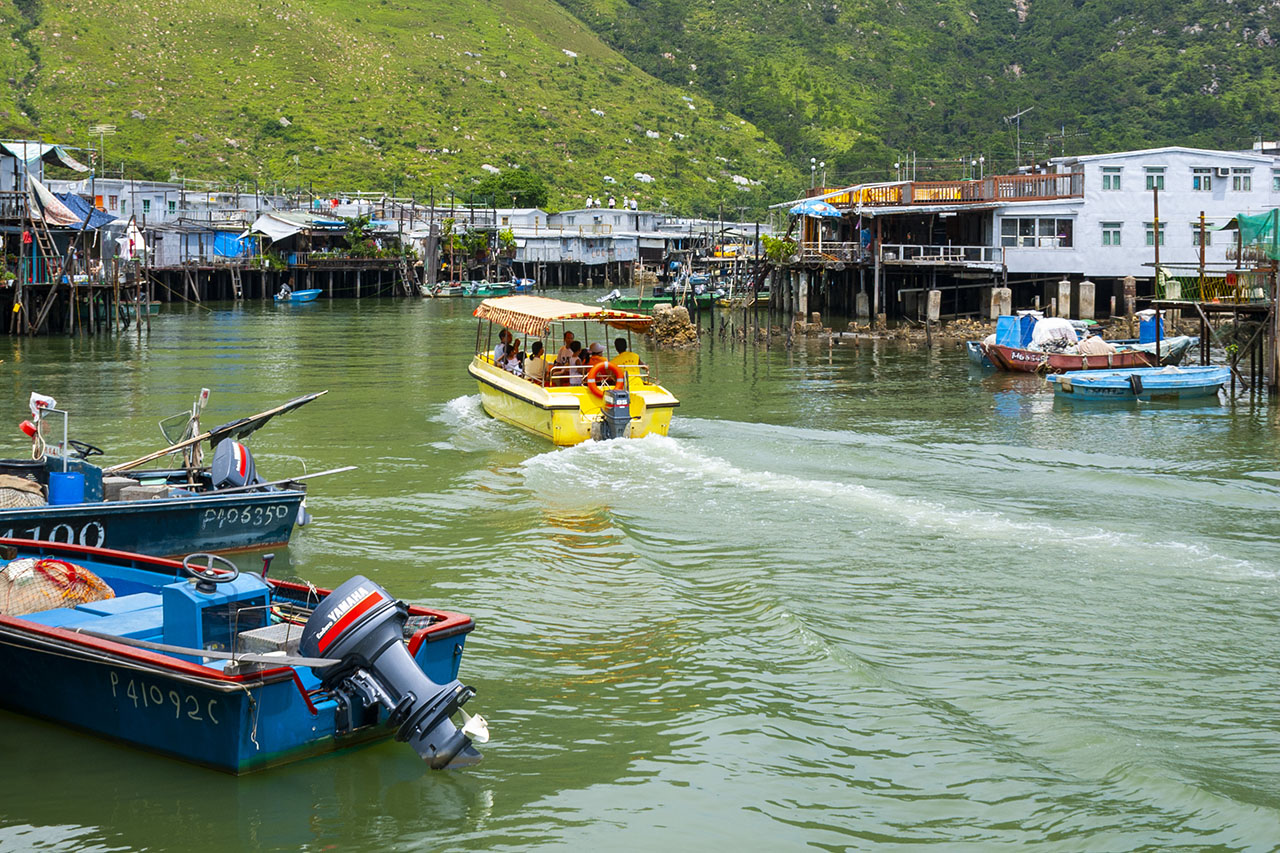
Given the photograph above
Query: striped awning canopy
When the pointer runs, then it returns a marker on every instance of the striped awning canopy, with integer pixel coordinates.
(533, 315)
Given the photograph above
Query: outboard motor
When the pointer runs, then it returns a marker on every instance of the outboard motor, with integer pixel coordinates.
(616, 409)
(232, 465)
(361, 625)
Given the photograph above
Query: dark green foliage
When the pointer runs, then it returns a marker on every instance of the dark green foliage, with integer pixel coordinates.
(525, 187)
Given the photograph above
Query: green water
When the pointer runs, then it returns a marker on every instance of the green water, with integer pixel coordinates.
(863, 599)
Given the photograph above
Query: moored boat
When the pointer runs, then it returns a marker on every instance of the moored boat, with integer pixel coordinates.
(60, 496)
(1034, 361)
(976, 356)
(1150, 383)
(569, 404)
(309, 295)
(199, 661)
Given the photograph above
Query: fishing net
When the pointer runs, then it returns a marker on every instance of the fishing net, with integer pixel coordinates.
(19, 492)
(30, 585)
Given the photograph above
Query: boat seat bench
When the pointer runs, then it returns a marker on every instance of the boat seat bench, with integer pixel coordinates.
(139, 616)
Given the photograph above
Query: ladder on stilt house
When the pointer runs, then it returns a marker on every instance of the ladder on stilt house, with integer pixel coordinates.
(237, 286)
(47, 252)
(408, 278)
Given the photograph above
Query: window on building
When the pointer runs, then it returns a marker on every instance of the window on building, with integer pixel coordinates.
(1155, 178)
(506, 220)
(112, 200)
(1041, 233)
(1242, 180)
(1202, 179)
(1195, 234)
(1111, 177)
(1111, 233)
(124, 206)
(1151, 233)
(146, 206)
(173, 207)
(569, 219)
(1275, 180)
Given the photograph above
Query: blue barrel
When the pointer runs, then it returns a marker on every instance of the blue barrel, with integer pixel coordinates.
(1147, 330)
(66, 488)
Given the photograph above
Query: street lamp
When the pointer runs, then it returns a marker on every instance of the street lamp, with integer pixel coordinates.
(823, 166)
(897, 168)
(981, 167)
(813, 171)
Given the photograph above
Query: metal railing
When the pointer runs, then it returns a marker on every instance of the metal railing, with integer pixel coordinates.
(909, 253)
(995, 188)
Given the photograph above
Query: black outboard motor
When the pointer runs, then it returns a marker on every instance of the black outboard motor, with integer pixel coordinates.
(232, 465)
(616, 407)
(360, 624)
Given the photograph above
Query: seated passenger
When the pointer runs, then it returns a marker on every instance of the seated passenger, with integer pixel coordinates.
(624, 358)
(596, 354)
(535, 366)
(577, 371)
(500, 351)
(566, 351)
(514, 361)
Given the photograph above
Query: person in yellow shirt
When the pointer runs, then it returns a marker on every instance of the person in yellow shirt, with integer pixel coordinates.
(624, 358)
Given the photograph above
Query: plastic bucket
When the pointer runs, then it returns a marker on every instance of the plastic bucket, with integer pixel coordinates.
(66, 488)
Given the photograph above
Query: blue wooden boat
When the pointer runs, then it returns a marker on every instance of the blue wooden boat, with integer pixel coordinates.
(977, 356)
(1150, 383)
(299, 296)
(522, 285)
(224, 506)
(201, 662)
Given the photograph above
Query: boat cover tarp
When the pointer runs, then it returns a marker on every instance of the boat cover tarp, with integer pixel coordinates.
(46, 207)
(275, 227)
(80, 207)
(533, 315)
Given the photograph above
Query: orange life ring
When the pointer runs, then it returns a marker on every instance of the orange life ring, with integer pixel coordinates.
(595, 370)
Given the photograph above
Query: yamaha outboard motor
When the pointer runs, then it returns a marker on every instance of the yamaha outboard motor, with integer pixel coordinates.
(616, 409)
(232, 465)
(362, 626)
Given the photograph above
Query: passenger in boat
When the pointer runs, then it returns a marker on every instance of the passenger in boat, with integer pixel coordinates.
(576, 373)
(514, 361)
(566, 351)
(535, 365)
(596, 354)
(500, 351)
(625, 358)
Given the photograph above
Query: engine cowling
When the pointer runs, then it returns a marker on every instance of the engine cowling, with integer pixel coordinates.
(362, 626)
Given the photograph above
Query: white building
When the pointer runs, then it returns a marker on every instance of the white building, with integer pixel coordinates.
(1109, 231)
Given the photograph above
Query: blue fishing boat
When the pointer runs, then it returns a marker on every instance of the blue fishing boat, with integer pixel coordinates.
(61, 496)
(522, 285)
(298, 295)
(232, 670)
(1150, 383)
(977, 356)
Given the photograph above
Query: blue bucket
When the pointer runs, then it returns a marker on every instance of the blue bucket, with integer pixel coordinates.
(66, 488)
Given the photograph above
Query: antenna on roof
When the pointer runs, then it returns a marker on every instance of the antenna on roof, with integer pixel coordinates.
(1016, 118)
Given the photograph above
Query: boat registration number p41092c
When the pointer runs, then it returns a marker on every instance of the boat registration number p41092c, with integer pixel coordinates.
(144, 695)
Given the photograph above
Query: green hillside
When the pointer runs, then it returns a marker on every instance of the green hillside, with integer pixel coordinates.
(858, 84)
(410, 95)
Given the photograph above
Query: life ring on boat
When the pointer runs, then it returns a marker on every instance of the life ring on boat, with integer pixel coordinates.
(614, 371)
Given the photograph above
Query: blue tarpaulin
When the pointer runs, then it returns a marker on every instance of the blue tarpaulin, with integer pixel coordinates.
(80, 207)
(814, 207)
(228, 244)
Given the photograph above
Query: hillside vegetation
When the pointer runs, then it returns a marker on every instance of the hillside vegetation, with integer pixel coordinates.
(859, 84)
(410, 96)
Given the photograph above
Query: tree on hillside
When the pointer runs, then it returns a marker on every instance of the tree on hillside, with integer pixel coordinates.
(527, 188)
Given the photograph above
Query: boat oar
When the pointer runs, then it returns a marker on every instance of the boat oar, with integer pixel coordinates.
(282, 482)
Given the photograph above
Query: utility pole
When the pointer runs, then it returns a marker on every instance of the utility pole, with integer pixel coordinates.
(1016, 118)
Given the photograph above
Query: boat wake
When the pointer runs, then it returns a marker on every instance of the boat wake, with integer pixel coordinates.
(759, 500)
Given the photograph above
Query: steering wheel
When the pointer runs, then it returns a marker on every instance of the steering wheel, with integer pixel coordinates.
(85, 449)
(206, 574)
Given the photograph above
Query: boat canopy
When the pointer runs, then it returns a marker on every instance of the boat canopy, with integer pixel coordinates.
(533, 315)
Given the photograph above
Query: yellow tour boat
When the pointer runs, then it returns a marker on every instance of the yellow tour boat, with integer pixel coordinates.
(554, 395)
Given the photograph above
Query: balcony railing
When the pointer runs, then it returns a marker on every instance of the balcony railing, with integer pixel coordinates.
(997, 188)
(909, 253)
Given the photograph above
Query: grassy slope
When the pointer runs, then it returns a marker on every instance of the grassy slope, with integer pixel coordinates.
(856, 82)
(375, 92)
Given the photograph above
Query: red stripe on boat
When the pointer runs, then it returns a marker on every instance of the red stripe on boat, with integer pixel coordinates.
(240, 456)
(354, 613)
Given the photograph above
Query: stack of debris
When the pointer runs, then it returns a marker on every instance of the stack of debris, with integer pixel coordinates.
(672, 327)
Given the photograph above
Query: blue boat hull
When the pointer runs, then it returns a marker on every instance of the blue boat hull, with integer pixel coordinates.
(164, 527)
(236, 723)
(300, 296)
(976, 356)
(1154, 383)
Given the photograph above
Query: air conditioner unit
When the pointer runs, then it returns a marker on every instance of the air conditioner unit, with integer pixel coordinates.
(1223, 171)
